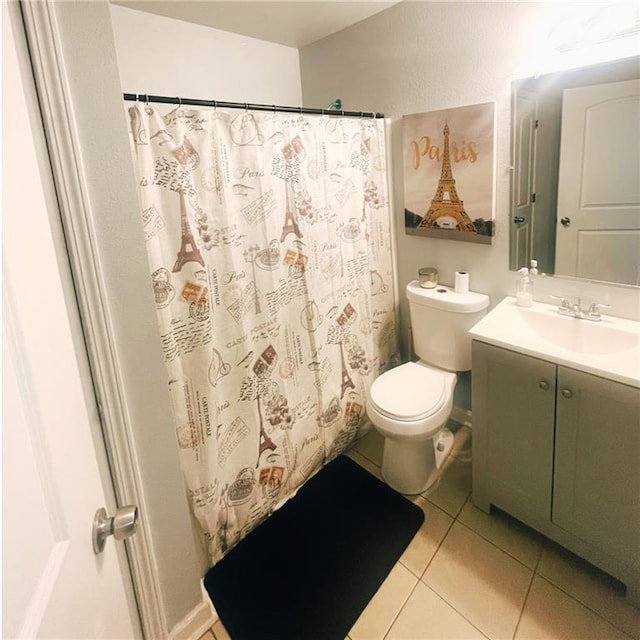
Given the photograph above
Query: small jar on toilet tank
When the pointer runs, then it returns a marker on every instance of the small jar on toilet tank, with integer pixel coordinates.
(428, 277)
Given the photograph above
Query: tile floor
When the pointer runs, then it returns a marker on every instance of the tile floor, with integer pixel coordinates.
(470, 575)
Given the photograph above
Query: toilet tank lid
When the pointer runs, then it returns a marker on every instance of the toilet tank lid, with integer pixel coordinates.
(442, 297)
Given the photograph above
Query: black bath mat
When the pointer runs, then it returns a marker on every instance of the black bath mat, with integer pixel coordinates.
(308, 571)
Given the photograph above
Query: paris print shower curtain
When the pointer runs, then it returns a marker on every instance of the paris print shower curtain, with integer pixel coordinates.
(268, 238)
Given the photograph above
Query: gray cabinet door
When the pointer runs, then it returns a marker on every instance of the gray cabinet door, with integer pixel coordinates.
(597, 463)
(513, 425)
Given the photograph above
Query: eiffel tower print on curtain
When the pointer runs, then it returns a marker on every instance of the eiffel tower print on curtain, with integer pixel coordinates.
(189, 251)
(290, 224)
(448, 156)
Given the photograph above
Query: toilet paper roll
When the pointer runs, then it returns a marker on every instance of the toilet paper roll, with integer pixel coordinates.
(461, 284)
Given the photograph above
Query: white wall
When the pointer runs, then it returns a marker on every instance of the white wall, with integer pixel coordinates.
(162, 56)
(424, 56)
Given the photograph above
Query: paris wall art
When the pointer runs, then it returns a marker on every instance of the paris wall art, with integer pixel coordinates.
(449, 173)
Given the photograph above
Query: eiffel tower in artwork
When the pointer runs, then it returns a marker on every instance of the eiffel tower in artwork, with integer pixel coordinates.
(446, 202)
(189, 251)
(290, 222)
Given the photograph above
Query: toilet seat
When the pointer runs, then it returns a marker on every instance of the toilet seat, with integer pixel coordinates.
(410, 392)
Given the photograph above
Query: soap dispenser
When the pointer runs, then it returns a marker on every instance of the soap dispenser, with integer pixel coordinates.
(524, 289)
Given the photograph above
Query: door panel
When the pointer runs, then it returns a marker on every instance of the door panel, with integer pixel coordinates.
(598, 188)
(28, 506)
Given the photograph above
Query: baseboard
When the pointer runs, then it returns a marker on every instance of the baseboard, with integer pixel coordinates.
(462, 416)
(197, 622)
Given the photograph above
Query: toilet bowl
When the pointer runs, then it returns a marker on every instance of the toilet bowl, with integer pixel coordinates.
(409, 405)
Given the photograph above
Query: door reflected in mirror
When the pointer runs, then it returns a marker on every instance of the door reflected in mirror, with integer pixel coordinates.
(575, 189)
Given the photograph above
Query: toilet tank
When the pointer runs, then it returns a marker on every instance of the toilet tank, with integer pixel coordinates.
(440, 320)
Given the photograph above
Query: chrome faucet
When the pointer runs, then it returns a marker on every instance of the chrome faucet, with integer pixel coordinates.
(575, 309)
(594, 311)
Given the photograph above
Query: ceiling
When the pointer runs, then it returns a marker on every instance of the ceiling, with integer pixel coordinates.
(291, 23)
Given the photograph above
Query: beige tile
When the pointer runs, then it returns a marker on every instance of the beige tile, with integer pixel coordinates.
(371, 447)
(515, 538)
(220, 632)
(426, 616)
(365, 463)
(483, 583)
(208, 636)
(425, 543)
(550, 614)
(452, 488)
(376, 619)
(590, 586)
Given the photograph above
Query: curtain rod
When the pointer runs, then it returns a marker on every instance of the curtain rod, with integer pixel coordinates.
(140, 97)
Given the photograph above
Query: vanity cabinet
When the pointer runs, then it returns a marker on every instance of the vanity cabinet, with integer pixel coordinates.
(559, 449)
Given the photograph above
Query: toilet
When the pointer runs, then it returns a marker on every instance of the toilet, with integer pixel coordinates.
(410, 404)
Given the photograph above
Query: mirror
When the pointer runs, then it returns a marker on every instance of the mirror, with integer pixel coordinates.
(575, 186)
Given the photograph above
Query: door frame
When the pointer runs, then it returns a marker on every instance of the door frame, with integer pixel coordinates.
(39, 28)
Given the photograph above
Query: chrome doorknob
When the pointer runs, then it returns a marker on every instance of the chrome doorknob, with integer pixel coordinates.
(121, 525)
(567, 393)
(544, 385)
(518, 219)
(565, 222)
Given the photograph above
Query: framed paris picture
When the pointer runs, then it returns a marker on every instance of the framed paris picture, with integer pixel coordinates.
(449, 173)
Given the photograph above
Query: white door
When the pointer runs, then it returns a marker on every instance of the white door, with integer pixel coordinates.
(598, 225)
(53, 585)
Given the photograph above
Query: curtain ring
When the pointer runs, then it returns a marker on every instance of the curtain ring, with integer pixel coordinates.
(215, 105)
(274, 109)
(246, 107)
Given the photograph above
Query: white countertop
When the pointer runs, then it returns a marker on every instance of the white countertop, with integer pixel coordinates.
(609, 348)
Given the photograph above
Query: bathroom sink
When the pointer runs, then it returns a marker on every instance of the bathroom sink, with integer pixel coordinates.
(581, 336)
(609, 348)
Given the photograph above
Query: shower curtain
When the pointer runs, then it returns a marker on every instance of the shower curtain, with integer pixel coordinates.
(268, 239)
